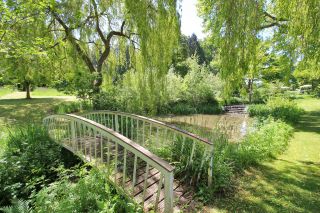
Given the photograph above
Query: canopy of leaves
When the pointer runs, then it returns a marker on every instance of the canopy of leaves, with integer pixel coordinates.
(237, 27)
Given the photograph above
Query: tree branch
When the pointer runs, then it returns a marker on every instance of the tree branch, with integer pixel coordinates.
(72, 40)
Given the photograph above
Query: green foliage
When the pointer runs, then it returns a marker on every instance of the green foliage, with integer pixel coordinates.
(83, 192)
(18, 206)
(28, 163)
(238, 28)
(265, 140)
(271, 140)
(277, 107)
(72, 107)
(196, 92)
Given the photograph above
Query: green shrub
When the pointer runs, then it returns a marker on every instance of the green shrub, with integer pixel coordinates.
(28, 163)
(271, 139)
(82, 192)
(260, 110)
(279, 108)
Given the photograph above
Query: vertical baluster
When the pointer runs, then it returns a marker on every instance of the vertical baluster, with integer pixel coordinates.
(150, 132)
(116, 163)
(122, 125)
(84, 141)
(158, 193)
(157, 138)
(108, 146)
(168, 192)
(90, 143)
(134, 172)
(112, 123)
(210, 167)
(117, 122)
(143, 136)
(124, 166)
(131, 122)
(127, 133)
(95, 146)
(137, 132)
(101, 147)
(73, 134)
(145, 183)
(79, 126)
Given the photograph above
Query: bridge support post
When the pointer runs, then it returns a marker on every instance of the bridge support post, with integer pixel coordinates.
(210, 169)
(168, 192)
(73, 133)
(116, 123)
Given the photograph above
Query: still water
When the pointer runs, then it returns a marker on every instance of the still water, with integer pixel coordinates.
(235, 126)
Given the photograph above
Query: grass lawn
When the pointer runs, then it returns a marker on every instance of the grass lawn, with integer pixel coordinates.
(16, 111)
(42, 91)
(290, 183)
(5, 90)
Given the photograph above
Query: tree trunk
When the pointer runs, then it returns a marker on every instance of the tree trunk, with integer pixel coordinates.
(27, 85)
(250, 87)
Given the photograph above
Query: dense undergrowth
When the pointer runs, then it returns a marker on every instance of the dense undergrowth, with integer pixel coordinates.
(37, 175)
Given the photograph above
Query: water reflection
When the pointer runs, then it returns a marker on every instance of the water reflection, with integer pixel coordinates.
(235, 126)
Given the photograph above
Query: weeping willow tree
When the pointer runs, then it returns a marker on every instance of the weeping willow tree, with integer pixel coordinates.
(25, 44)
(100, 31)
(237, 27)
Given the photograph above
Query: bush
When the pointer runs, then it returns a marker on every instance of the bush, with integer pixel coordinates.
(89, 193)
(271, 139)
(27, 163)
(279, 108)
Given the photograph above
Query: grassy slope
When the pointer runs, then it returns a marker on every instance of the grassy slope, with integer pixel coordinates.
(290, 183)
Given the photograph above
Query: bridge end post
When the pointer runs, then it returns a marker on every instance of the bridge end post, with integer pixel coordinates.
(168, 192)
(210, 169)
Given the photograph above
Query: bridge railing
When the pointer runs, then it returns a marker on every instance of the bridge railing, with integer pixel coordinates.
(192, 155)
(100, 145)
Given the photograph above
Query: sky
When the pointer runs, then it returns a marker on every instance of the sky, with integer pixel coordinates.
(190, 21)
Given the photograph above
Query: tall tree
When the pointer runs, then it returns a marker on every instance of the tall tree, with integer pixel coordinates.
(95, 28)
(237, 27)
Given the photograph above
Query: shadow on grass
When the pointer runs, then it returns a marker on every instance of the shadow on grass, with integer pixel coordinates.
(294, 188)
(310, 122)
(23, 111)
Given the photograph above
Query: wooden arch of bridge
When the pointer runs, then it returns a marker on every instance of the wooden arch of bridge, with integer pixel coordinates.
(128, 146)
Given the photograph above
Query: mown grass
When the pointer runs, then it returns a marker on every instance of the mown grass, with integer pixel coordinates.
(5, 90)
(291, 182)
(43, 91)
(19, 112)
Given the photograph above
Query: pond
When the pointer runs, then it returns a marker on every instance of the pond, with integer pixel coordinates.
(234, 126)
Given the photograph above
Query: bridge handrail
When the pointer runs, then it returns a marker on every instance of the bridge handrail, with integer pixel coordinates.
(157, 160)
(156, 122)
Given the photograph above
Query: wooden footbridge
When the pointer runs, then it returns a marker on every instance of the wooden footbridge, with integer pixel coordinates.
(157, 164)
